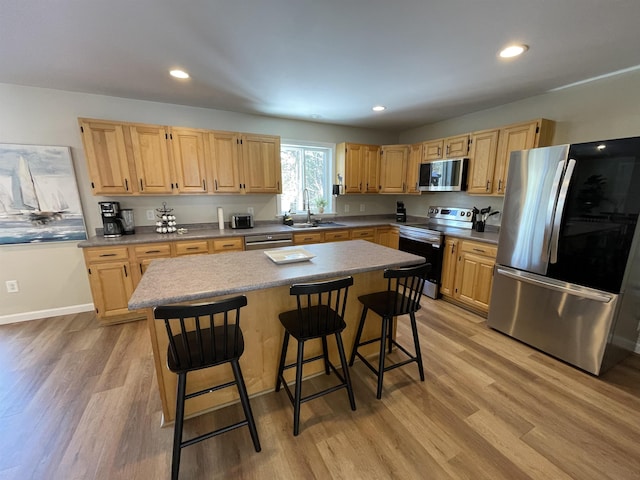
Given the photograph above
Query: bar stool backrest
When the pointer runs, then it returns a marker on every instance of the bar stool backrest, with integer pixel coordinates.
(201, 336)
(405, 286)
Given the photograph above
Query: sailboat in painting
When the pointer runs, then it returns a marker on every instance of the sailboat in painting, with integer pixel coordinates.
(41, 205)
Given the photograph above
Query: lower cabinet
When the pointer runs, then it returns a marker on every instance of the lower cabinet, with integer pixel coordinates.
(111, 282)
(388, 236)
(467, 273)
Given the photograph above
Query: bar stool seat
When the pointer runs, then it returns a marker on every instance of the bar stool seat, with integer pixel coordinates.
(402, 297)
(203, 336)
(319, 314)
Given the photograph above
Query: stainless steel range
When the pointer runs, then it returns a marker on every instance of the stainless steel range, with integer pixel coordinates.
(425, 239)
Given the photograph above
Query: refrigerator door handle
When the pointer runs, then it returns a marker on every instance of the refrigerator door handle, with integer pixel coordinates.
(553, 199)
(562, 198)
(524, 277)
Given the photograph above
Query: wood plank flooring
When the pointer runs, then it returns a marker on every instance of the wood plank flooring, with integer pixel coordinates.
(80, 401)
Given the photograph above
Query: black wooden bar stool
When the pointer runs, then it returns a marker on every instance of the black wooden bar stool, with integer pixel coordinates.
(402, 297)
(203, 336)
(320, 313)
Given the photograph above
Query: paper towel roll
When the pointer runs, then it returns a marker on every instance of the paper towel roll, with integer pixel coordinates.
(220, 218)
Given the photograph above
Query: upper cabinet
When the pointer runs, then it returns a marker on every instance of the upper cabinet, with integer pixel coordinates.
(415, 153)
(521, 136)
(433, 150)
(190, 156)
(393, 168)
(491, 149)
(360, 167)
(456, 147)
(107, 159)
(129, 158)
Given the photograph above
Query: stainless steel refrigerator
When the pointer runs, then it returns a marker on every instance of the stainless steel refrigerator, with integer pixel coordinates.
(567, 277)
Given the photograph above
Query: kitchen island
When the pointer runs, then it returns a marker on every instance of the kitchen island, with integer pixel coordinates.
(197, 279)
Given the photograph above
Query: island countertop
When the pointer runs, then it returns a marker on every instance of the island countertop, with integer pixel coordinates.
(191, 278)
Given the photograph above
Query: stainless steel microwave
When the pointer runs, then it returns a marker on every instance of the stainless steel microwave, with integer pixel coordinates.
(448, 175)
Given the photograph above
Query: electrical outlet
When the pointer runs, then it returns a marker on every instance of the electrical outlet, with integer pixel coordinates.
(346, 208)
(362, 207)
(12, 286)
(151, 215)
(250, 210)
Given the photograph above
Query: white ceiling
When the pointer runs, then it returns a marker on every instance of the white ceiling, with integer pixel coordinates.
(318, 60)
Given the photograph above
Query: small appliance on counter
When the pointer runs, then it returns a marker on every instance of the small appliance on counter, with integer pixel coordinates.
(128, 225)
(241, 220)
(111, 221)
(401, 212)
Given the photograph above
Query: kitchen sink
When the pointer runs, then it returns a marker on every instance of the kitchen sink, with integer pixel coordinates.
(317, 224)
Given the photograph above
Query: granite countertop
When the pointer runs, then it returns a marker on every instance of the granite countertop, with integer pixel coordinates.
(206, 231)
(190, 278)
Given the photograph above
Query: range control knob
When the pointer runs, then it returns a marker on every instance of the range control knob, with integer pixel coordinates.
(462, 214)
(468, 214)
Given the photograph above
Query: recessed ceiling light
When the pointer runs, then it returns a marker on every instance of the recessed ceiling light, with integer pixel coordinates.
(179, 74)
(513, 51)
(379, 108)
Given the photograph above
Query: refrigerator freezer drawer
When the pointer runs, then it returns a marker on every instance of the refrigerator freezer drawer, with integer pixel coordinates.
(563, 320)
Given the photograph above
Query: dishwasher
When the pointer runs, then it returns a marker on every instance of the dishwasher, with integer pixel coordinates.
(268, 241)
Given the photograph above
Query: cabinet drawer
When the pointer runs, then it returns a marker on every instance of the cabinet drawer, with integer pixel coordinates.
(105, 254)
(191, 248)
(228, 244)
(337, 236)
(363, 233)
(152, 250)
(479, 248)
(299, 238)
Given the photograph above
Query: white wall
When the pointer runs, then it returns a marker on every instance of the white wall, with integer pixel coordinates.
(52, 277)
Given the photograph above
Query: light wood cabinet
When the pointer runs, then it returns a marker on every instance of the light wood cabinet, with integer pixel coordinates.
(337, 235)
(190, 247)
(261, 164)
(140, 257)
(190, 157)
(359, 166)
(433, 150)
(106, 154)
(474, 274)
(235, 244)
(368, 234)
(393, 168)
(482, 161)
(415, 157)
(522, 136)
(151, 159)
(111, 283)
(388, 236)
(225, 162)
(308, 237)
(449, 261)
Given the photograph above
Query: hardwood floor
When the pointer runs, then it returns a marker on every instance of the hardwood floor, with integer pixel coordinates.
(80, 401)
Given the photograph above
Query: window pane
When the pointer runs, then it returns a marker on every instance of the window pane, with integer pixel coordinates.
(305, 167)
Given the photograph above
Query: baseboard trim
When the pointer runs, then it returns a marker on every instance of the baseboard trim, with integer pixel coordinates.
(52, 312)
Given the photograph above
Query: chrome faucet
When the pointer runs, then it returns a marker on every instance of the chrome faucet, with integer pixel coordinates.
(306, 204)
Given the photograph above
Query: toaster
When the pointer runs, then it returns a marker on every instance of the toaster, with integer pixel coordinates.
(241, 220)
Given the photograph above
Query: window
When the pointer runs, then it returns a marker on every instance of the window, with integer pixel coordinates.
(306, 166)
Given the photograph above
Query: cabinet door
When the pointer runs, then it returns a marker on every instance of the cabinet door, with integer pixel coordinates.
(261, 164)
(304, 238)
(142, 255)
(353, 159)
(433, 150)
(363, 234)
(456, 147)
(235, 244)
(474, 274)
(151, 156)
(189, 160)
(482, 158)
(225, 162)
(337, 235)
(191, 247)
(111, 286)
(388, 237)
(106, 154)
(393, 168)
(413, 167)
(371, 169)
(449, 266)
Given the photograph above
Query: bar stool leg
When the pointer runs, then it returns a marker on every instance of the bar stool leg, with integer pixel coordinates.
(177, 426)
(345, 371)
(325, 353)
(383, 344)
(283, 355)
(416, 343)
(298, 389)
(390, 335)
(356, 342)
(246, 406)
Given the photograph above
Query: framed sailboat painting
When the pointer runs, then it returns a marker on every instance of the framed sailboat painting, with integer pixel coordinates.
(39, 199)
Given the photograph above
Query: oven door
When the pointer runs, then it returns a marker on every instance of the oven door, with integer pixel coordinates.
(432, 254)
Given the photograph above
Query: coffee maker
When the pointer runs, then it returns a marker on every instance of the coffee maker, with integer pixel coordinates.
(111, 222)
(401, 212)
